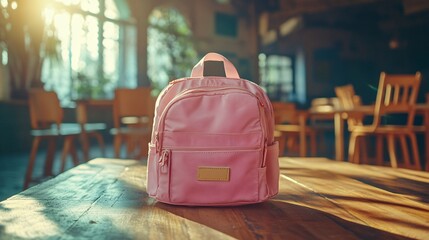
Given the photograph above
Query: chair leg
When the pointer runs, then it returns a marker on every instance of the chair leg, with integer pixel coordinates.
(117, 145)
(100, 141)
(30, 167)
(391, 149)
(405, 152)
(144, 146)
(50, 156)
(379, 150)
(415, 150)
(291, 142)
(134, 146)
(73, 153)
(282, 144)
(313, 144)
(352, 147)
(358, 149)
(66, 149)
(363, 150)
(85, 144)
(131, 146)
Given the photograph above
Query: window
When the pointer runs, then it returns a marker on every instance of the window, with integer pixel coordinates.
(226, 25)
(277, 78)
(96, 49)
(171, 53)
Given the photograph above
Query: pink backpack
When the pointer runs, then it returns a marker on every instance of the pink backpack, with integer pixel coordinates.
(212, 141)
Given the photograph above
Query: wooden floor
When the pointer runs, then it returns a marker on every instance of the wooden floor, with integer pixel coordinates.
(318, 199)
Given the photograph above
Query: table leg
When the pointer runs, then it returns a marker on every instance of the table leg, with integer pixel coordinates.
(339, 137)
(81, 110)
(302, 136)
(84, 142)
(426, 124)
(50, 155)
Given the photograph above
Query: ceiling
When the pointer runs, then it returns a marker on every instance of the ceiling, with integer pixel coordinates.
(365, 16)
(384, 18)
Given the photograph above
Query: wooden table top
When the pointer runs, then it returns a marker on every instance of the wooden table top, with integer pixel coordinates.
(318, 199)
(368, 109)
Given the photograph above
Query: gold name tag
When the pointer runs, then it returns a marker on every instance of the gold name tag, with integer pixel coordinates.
(220, 174)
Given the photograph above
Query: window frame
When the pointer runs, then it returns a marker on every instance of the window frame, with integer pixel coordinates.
(127, 29)
(279, 94)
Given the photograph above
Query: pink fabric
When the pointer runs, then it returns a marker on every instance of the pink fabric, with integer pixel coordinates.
(186, 140)
(213, 122)
(178, 86)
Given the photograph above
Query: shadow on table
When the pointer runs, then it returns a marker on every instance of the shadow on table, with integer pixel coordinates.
(331, 204)
(276, 219)
(400, 186)
(409, 185)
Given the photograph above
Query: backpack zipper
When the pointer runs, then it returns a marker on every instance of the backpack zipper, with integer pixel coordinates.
(213, 149)
(165, 154)
(257, 87)
(185, 94)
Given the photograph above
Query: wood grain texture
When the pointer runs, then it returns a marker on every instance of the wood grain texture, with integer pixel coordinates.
(318, 199)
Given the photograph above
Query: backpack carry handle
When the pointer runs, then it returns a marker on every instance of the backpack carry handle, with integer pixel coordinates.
(230, 71)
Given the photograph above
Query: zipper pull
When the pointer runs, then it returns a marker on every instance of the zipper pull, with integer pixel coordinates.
(163, 161)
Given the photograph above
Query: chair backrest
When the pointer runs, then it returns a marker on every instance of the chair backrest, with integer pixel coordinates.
(347, 96)
(397, 93)
(349, 100)
(284, 112)
(45, 108)
(132, 102)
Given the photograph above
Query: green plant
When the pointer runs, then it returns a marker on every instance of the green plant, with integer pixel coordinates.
(29, 41)
(171, 52)
(89, 87)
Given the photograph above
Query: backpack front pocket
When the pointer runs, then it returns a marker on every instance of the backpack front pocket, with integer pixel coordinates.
(214, 177)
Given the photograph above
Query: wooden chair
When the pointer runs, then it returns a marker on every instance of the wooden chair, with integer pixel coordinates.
(287, 128)
(396, 94)
(133, 111)
(46, 117)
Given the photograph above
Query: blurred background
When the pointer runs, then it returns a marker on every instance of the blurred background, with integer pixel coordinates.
(297, 50)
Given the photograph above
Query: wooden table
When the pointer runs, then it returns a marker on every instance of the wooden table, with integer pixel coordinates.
(82, 118)
(136, 127)
(318, 199)
(300, 127)
(340, 115)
